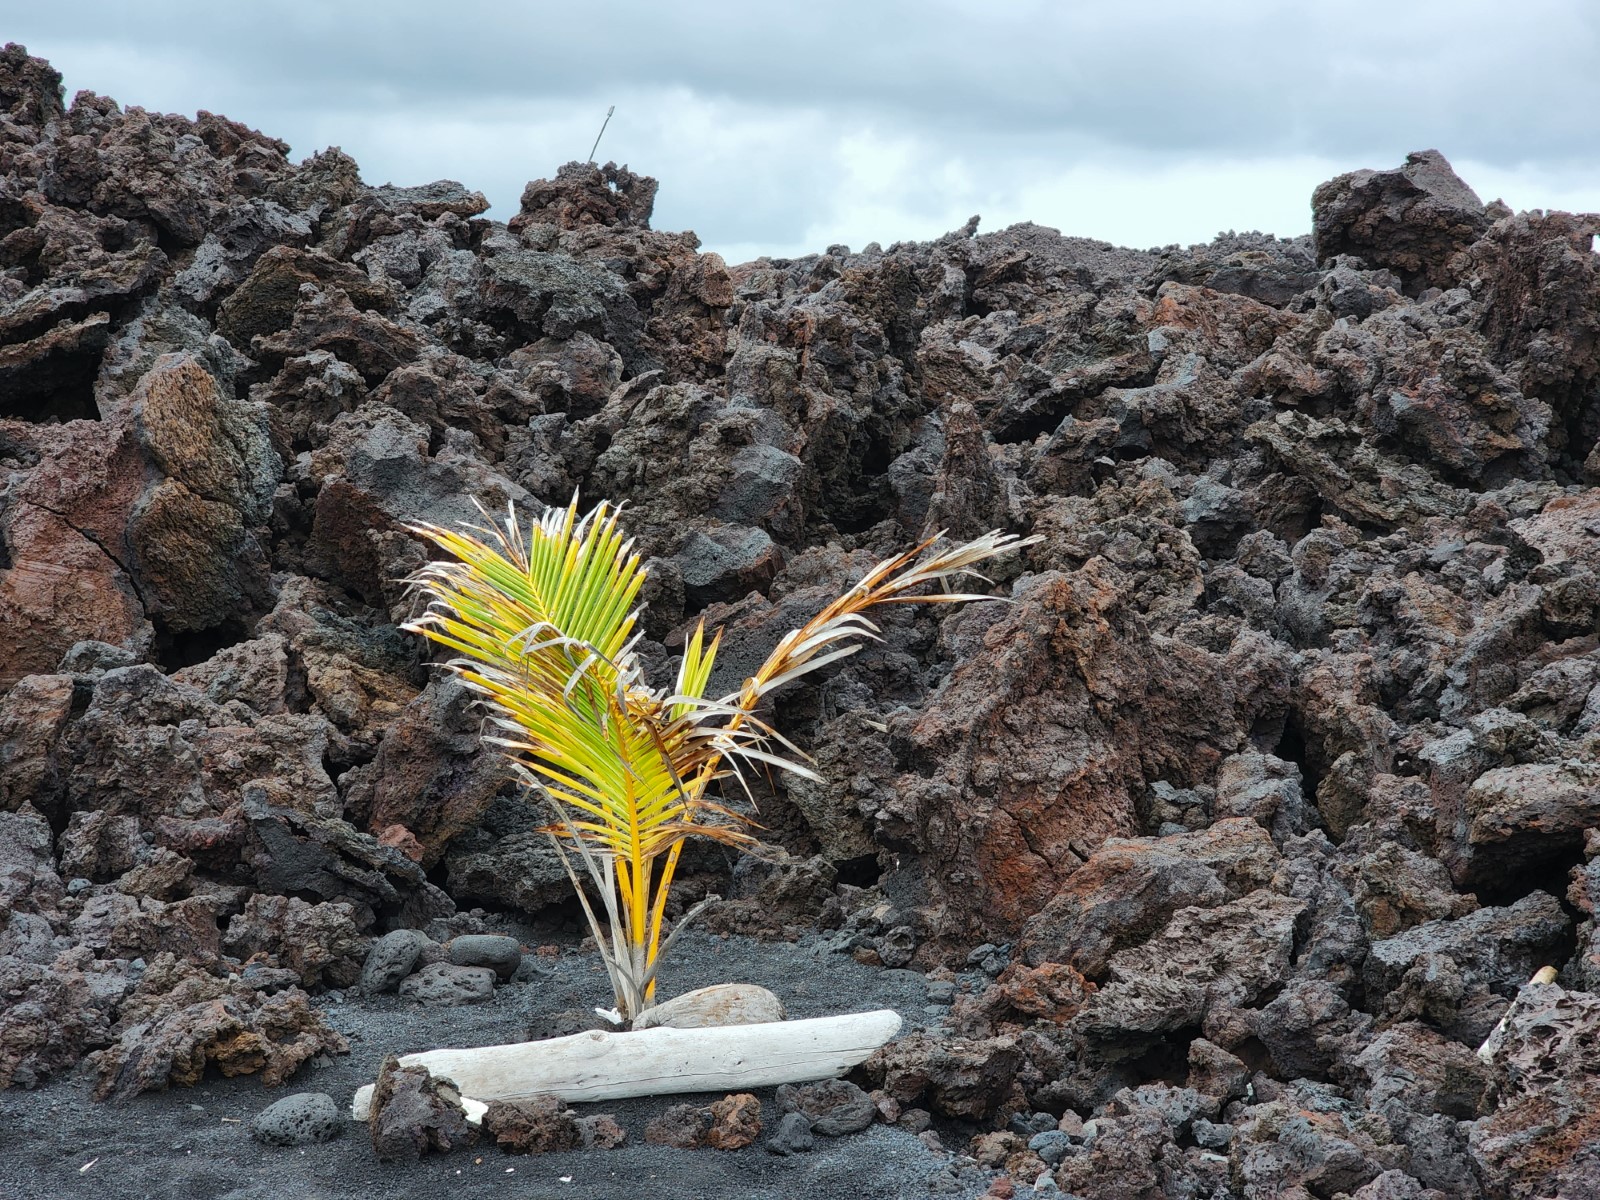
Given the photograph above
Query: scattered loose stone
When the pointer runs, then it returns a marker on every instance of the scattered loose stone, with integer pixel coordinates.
(415, 1113)
(914, 1120)
(897, 946)
(995, 1149)
(391, 959)
(835, 1107)
(445, 984)
(536, 1125)
(1051, 1146)
(792, 1135)
(888, 1107)
(683, 1126)
(989, 958)
(1028, 1124)
(735, 1122)
(299, 1120)
(601, 1132)
(499, 953)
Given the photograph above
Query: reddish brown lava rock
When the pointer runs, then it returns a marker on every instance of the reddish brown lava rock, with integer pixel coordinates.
(1021, 994)
(432, 777)
(683, 1126)
(1305, 654)
(1541, 1138)
(536, 1125)
(318, 942)
(601, 1132)
(177, 1024)
(731, 1123)
(67, 581)
(735, 1122)
(585, 194)
(1414, 219)
(398, 837)
(953, 1077)
(1066, 782)
(1130, 887)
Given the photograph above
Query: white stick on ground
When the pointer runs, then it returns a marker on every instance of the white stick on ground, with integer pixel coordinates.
(652, 1062)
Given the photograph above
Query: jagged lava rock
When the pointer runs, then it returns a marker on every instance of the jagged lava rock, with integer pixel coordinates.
(413, 1113)
(1541, 1138)
(834, 1107)
(1284, 739)
(735, 1122)
(535, 1125)
(1415, 219)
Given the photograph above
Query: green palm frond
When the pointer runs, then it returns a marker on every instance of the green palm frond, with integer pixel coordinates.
(542, 623)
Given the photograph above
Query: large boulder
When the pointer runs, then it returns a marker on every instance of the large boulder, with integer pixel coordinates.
(1414, 219)
(1130, 887)
(1541, 1138)
(1038, 746)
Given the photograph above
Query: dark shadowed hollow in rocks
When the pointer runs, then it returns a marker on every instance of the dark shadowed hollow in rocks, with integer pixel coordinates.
(1202, 869)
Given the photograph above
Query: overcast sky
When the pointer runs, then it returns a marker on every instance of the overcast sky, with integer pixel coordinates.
(782, 128)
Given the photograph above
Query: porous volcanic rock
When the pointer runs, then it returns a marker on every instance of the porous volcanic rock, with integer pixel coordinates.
(1259, 799)
(1541, 1138)
(1414, 220)
(533, 1126)
(299, 1120)
(414, 1113)
(834, 1107)
(178, 1021)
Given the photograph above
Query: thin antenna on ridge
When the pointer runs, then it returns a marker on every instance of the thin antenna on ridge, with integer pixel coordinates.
(602, 132)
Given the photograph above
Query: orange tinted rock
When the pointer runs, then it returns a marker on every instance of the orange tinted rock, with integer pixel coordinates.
(735, 1122)
(1043, 740)
(402, 839)
(67, 578)
(1130, 887)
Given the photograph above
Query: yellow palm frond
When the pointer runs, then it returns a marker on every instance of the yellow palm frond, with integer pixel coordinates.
(542, 623)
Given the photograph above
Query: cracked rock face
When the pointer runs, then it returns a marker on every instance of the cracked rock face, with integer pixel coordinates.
(1274, 778)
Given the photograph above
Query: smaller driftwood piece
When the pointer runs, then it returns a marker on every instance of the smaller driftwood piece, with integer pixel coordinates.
(598, 1065)
(719, 1004)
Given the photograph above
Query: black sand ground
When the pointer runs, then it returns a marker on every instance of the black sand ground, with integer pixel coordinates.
(195, 1142)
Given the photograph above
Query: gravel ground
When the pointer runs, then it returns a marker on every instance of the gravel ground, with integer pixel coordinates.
(195, 1142)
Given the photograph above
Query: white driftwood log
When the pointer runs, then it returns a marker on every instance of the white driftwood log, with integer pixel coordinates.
(651, 1062)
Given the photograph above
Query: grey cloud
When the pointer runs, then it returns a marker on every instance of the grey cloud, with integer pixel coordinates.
(1490, 81)
(744, 111)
